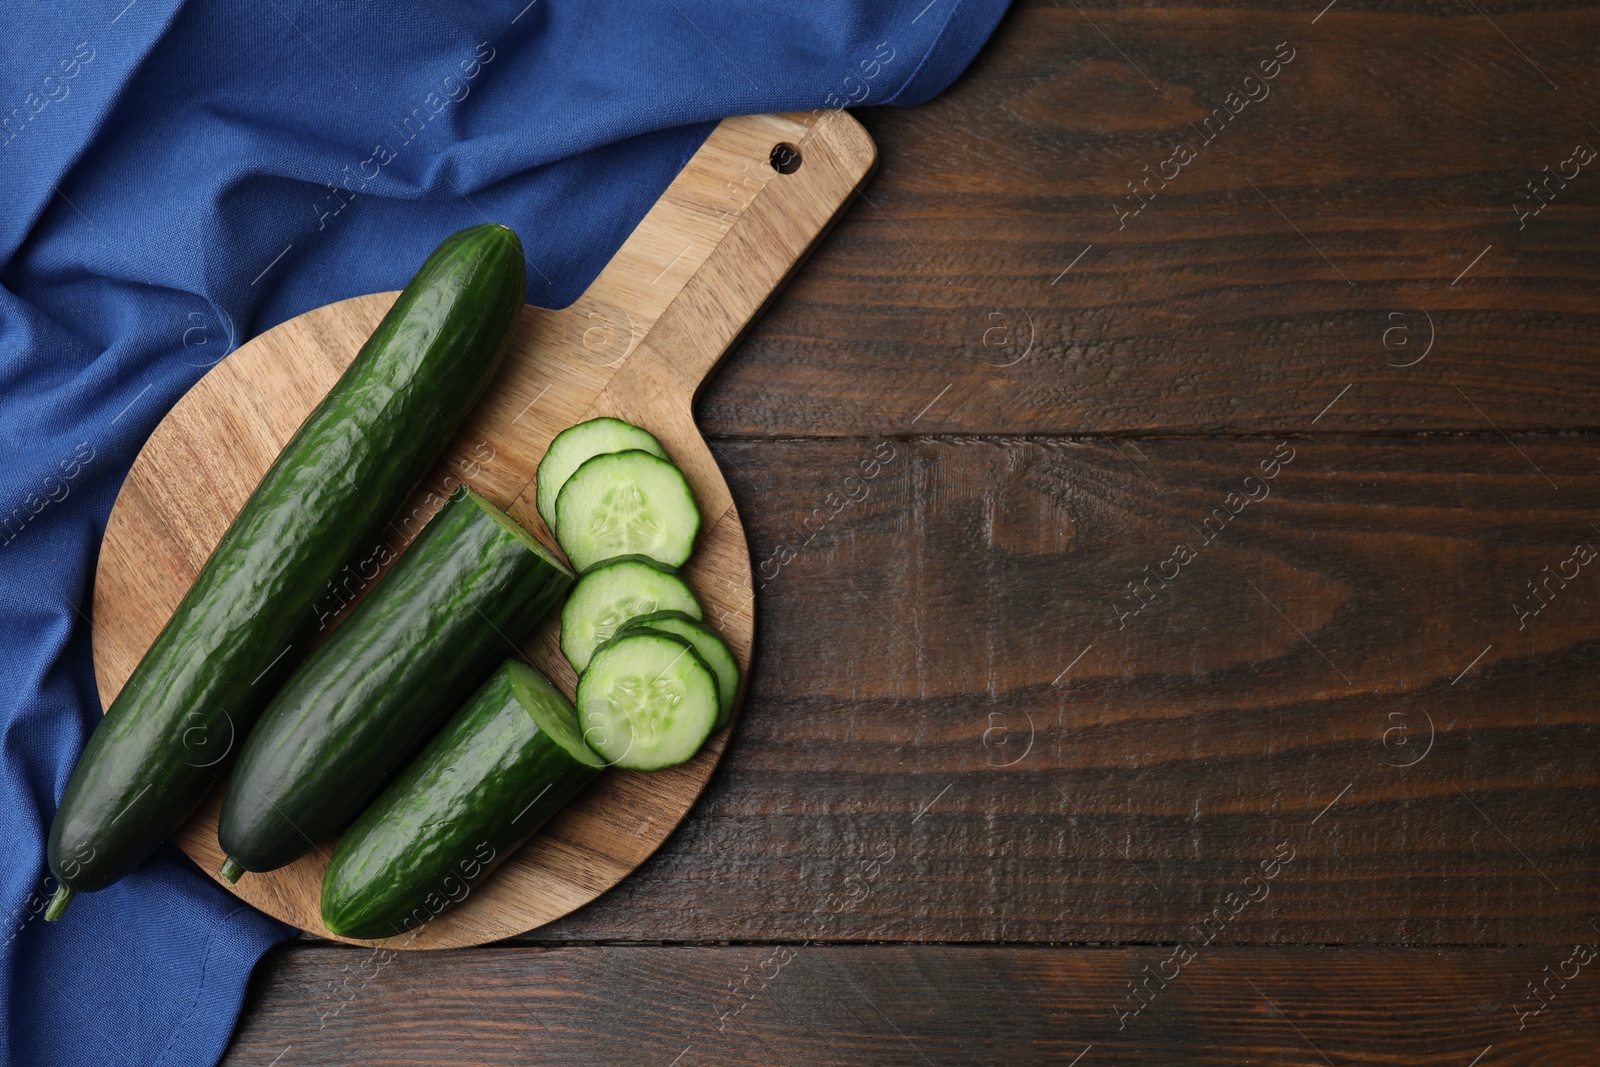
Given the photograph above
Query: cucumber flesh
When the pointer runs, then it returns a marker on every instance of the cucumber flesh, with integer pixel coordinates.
(552, 713)
(576, 444)
(713, 649)
(647, 701)
(508, 760)
(610, 596)
(626, 503)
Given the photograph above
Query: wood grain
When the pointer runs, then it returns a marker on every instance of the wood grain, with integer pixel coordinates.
(1441, 791)
(698, 269)
(1396, 142)
(942, 676)
(915, 1005)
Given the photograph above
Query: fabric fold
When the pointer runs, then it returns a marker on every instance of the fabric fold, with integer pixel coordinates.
(178, 178)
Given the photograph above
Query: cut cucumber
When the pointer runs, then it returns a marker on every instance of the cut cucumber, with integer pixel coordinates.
(508, 761)
(713, 649)
(609, 597)
(626, 504)
(472, 584)
(647, 701)
(584, 441)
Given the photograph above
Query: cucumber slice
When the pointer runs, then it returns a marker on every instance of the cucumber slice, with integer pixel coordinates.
(626, 504)
(647, 701)
(609, 597)
(584, 441)
(713, 649)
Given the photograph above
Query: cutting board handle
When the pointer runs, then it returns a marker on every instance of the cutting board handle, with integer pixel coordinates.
(753, 201)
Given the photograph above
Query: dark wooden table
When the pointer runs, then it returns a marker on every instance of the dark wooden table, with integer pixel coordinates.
(1178, 633)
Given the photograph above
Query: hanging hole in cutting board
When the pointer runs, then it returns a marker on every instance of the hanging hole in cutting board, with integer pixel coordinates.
(785, 158)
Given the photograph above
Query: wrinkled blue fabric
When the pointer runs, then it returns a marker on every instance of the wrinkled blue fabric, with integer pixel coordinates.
(175, 179)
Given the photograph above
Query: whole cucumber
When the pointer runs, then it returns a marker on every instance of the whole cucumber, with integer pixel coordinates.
(508, 761)
(253, 607)
(455, 605)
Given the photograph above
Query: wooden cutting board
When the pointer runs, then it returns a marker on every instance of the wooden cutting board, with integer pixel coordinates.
(721, 241)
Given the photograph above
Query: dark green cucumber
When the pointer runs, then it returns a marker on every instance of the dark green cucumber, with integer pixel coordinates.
(472, 585)
(510, 759)
(253, 608)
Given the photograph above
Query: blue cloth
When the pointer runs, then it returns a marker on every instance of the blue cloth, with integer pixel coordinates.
(175, 179)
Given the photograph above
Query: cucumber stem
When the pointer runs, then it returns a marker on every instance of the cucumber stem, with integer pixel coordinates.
(230, 869)
(58, 903)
